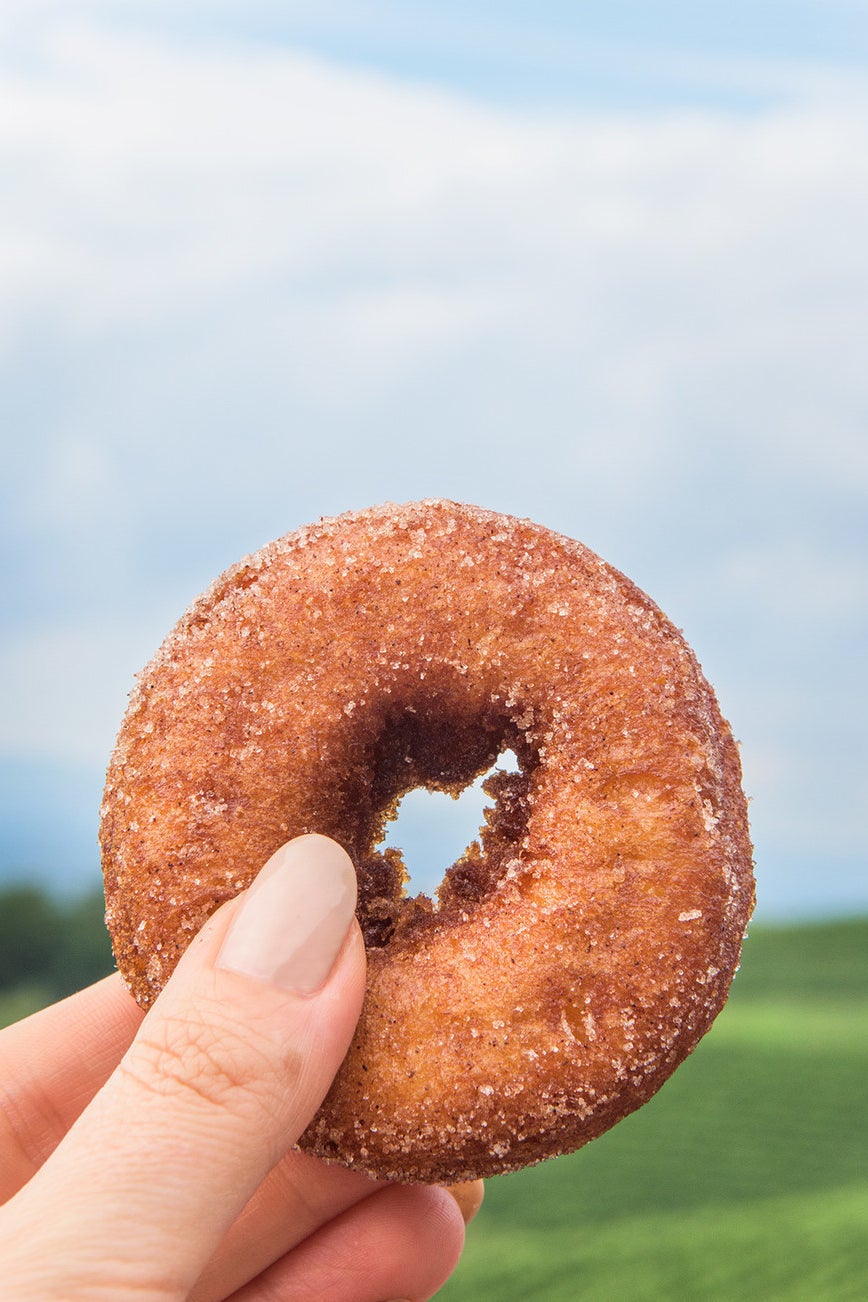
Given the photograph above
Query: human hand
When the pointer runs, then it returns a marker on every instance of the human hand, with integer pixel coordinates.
(152, 1158)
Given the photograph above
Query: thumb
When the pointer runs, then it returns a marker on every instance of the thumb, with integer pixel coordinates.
(229, 1066)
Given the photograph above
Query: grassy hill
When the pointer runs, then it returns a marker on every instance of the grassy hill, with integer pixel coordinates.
(746, 1177)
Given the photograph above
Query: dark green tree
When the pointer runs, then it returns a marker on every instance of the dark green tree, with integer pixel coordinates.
(30, 932)
(84, 953)
(60, 946)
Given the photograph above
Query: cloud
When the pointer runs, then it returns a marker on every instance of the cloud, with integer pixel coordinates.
(284, 221)
(243, 285)
(75, 679)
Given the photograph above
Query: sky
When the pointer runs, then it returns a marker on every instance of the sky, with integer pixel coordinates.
(601, 266)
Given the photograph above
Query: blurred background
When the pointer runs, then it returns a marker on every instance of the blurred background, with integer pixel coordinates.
(600, 265)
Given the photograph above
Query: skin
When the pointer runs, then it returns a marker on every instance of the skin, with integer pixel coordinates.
(152, 1157)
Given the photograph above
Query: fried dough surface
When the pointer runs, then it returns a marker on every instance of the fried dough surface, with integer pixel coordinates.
(578, 953)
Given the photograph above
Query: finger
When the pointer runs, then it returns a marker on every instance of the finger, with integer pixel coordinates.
(403, 1242)
(298, 1196)
(227, 1070)
(51, 1066)
(469, 1196)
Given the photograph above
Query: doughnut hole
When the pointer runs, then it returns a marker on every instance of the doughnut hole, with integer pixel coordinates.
(433, 829)
(427, 749)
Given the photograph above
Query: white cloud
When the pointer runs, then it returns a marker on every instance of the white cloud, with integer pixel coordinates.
(67, 690)
(340, 224)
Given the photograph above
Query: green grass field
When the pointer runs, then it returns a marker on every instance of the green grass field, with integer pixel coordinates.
(745, 1178)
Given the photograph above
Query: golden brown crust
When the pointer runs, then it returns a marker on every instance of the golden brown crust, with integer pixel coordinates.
(576, 958)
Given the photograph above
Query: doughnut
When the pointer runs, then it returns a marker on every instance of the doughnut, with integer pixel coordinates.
(577, 950)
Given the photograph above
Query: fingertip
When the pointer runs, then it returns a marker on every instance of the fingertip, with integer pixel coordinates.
(469, 1196)
(448, 1227)
(295, 917)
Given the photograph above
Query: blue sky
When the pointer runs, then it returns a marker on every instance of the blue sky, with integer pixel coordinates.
(603, 266)
(619, 55)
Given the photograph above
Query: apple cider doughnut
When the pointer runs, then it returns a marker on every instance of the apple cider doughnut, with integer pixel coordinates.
(578, 950)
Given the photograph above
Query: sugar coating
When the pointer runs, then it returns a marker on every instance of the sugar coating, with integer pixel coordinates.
(578, 950)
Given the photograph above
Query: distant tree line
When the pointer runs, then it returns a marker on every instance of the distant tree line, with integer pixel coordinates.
(57, 945)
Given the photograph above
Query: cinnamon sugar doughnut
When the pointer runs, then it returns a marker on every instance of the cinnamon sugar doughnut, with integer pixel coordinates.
(579, 951)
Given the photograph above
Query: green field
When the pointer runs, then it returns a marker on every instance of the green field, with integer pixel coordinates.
(745, 1178)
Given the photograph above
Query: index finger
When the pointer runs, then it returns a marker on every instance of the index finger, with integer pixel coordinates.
(51, 1066)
